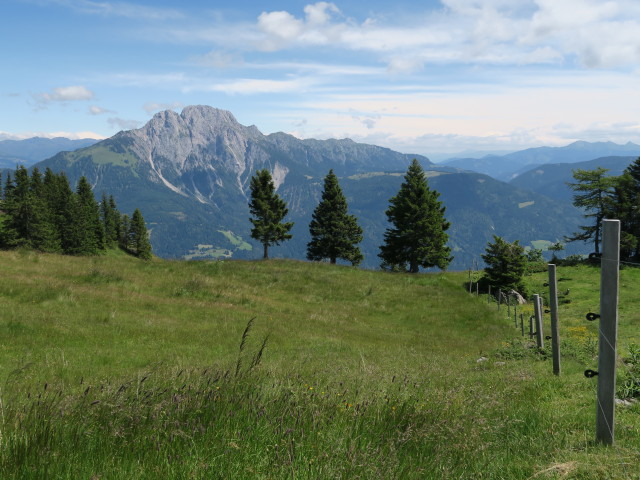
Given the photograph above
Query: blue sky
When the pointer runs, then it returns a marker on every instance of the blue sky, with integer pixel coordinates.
(427, 77)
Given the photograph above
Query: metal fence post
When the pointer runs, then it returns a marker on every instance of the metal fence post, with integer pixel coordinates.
(609, 283)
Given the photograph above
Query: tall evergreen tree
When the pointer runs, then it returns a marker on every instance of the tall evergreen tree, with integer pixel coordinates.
(124, 240)
(60, 199)
(418, 237)
(110, 221)
(87, 234)
(595, 190)
(27, 223)
(334, 233)
(268, 211)
(625, 206)
(506, 264)
(139, 236)
(45, 236)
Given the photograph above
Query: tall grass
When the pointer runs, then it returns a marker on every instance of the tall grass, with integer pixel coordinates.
(279, 369)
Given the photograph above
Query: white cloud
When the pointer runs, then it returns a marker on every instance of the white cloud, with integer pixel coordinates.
(96, 110)
(123, 124)
(218, 59)
(152, 107)
(119, 9)
(65, 94)
(247, 86)
(69, 135)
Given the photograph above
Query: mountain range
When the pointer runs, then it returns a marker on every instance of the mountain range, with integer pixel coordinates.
(32, 150)
(510, 166)
(189, 174)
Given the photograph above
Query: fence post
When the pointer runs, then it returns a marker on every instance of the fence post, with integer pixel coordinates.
(537, 307)
(499, 298)
(489, 295)
(532, 332)
(522, 323)
(609, 283)
(553, 304)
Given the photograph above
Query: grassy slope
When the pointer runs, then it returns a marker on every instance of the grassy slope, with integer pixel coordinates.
(365, 375)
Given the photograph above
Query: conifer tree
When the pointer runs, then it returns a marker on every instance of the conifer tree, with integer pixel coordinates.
(27, 223)
(110, 221)
(59, 198)
(268, 211)
(87, 234)
(418, 237)
(124, 241)
(44, 236)
(334, 233)
(506, 264)
(595, 199)
(139, 236)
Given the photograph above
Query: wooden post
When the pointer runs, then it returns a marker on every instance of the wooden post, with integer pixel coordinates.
(499, 298)
(531, 328)
(522, 323)
(477, 289)
(489, 295)
(537, 306)
(553, 303)
(508, 306)
(609, 283)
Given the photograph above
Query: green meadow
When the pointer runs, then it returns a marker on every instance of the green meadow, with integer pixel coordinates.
(115, 368)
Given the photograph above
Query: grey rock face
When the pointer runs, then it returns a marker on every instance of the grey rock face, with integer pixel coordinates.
(203, 149)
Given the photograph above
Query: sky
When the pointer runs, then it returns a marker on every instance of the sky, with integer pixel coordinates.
(427, 77)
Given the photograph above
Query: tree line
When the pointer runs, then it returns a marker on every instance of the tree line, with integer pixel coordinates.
(600, 196)
(614, 197)
(43, 213)
(417, 237)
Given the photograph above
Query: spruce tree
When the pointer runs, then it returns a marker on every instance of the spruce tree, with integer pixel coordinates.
(59, 198)
(110, 221)
(268, 211)
(139, 236)
(44, 236)
(334, 233)
(124, 241)
(87, 234)
(506, 264)
(596, 189)
(418, 237)
(27, 223)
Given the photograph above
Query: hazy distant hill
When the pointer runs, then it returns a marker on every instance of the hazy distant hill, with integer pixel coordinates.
(32, 150)
(506, 167)
(550, 179)
(189, 174)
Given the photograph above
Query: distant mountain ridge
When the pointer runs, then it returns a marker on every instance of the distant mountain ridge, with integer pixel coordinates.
(551, 179)
(31, 150)
(189, 173)
(506, 167)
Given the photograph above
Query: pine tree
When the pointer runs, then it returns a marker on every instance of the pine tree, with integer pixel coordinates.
(59, 198)
(597, 190)
(44, 236)
(334, 233)
(625, 206)
(418, 237)
(268, 211)
(87, 234)
(28, 223)
(506, 264)
(124, 240)
(139, 236)
(110, 221)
